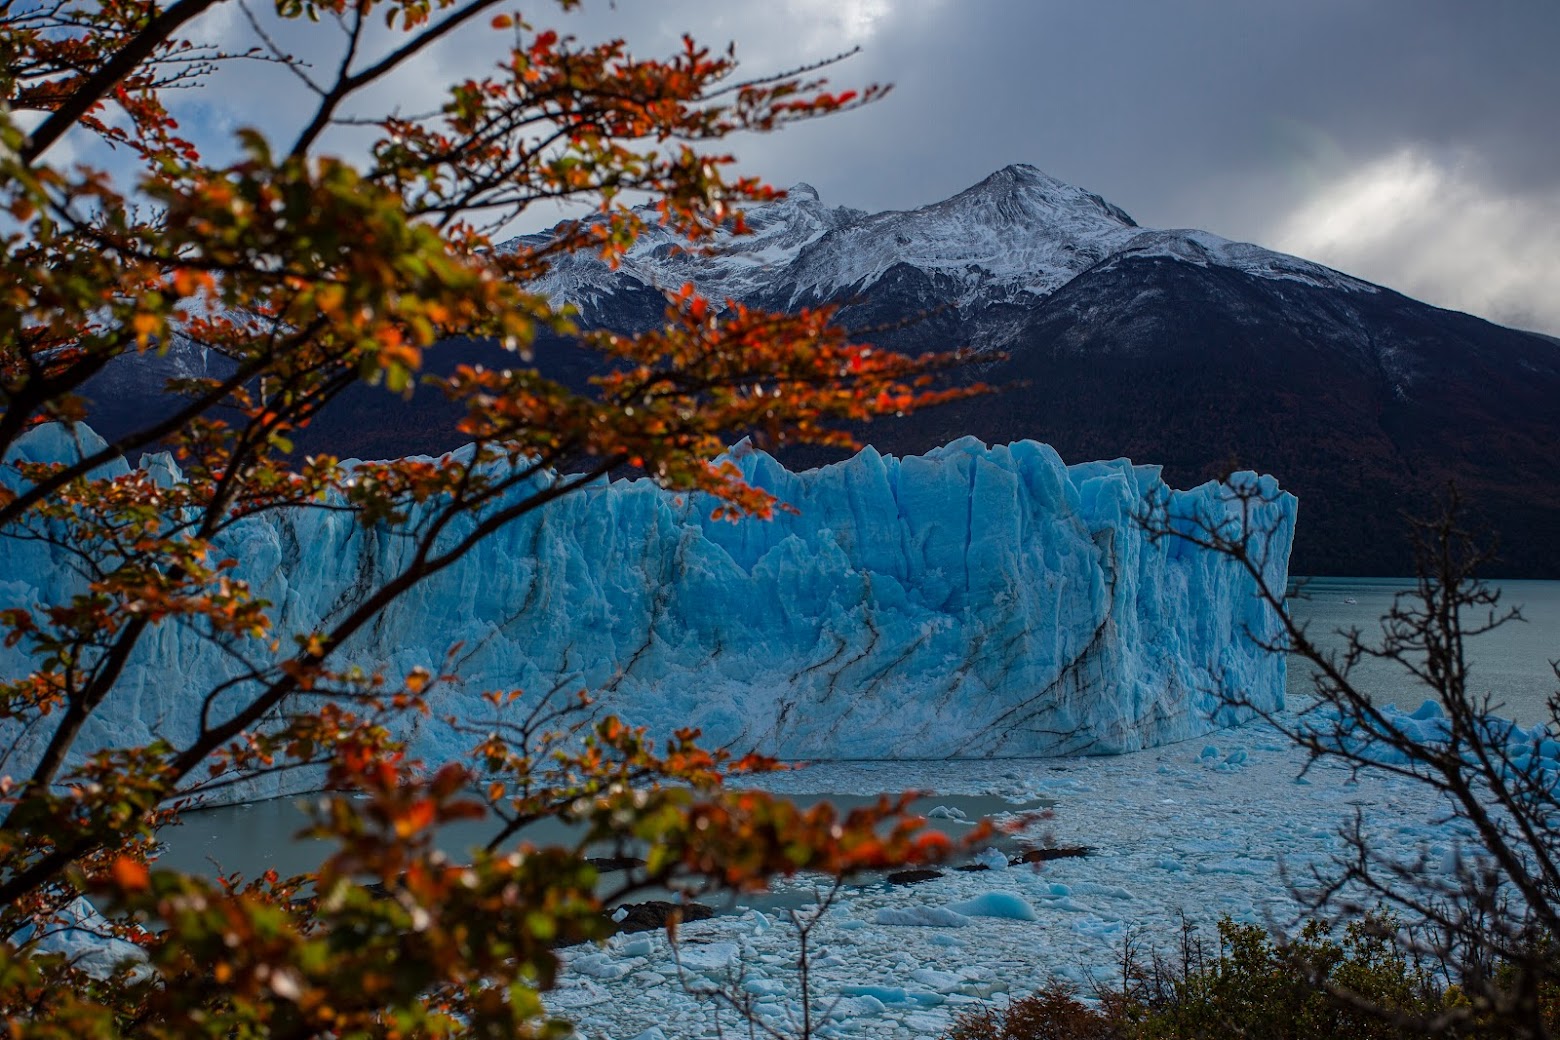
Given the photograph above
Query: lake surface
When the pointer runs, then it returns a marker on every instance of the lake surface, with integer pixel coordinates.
(1511, 663)
(262, 836)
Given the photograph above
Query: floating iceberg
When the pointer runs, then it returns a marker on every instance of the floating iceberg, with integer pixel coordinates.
(1010, 905)
(974, 601)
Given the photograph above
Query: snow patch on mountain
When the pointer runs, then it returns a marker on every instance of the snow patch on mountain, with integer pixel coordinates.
(735, 266)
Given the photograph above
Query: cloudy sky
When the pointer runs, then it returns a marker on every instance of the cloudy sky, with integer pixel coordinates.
(1411, 142)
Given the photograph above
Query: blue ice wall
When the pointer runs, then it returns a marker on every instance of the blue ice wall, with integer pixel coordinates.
(974, 601)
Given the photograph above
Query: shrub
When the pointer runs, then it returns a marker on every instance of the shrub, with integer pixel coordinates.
(1054, 1013)
(1315, 986)
(1359, 987)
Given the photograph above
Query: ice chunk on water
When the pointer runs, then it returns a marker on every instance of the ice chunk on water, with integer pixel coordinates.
(708, 957)
(1007, 905)
(922, 917)
(991, 859)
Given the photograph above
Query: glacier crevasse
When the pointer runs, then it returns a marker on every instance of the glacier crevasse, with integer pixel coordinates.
(974, 601)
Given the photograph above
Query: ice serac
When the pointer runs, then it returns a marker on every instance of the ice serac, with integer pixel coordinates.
(974, 601)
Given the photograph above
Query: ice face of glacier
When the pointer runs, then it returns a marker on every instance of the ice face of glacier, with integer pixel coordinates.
(974, 601)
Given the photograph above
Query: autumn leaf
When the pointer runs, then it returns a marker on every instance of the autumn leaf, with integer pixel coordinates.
(129, 875)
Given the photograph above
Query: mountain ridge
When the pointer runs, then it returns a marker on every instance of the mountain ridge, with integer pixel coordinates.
(1017, 233)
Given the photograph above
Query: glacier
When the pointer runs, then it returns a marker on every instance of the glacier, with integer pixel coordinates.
(972, 602)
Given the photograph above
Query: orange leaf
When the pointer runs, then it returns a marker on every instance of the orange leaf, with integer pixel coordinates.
(130, 875)
(417, 816)
(144, 325)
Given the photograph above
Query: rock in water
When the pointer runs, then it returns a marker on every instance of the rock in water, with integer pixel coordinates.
(654, 913)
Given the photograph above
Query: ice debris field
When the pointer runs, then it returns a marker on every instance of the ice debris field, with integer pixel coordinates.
(1212, 827)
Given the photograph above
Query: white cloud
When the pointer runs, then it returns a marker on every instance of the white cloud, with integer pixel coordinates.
(840, 23)
(63, 154)
(1438, 231)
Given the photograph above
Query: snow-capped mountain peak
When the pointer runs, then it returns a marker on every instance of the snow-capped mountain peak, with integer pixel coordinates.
(1023, 192)
(1018, 234)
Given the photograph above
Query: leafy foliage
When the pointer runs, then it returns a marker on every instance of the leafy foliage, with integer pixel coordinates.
(1259, 987)
(1317, 985)
(1053, 1013)
(311, 272)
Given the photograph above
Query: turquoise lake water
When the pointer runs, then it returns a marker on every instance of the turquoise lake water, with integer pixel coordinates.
(1510, 663)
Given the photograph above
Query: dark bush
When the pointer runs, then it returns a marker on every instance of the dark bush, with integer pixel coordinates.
(1318, 985)
(1054, 1013)
(1312, 987)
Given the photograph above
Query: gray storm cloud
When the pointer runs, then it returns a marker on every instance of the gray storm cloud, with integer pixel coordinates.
(1276, 123)
(1439, 232)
